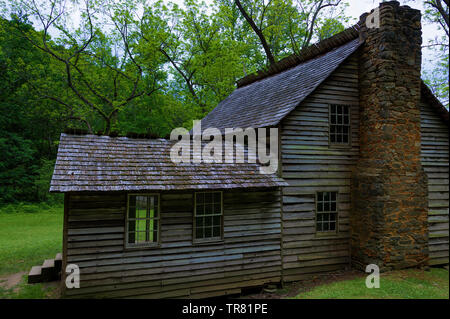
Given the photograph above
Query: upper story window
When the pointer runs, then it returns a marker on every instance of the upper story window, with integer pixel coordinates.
(326, 212)
(142, 220)
(208, 216)
(339, 124)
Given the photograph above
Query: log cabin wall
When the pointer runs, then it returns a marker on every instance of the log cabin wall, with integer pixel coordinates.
(310, 165)
(249, 254)
(435, 161)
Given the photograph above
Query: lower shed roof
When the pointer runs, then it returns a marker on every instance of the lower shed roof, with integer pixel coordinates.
(103, 163)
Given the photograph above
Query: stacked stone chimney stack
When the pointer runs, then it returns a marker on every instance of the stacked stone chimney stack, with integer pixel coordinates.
(389, 187)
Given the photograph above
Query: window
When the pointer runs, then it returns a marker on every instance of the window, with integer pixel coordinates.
(339, 124)
(326, 212)
(208, 216)
(143, 220)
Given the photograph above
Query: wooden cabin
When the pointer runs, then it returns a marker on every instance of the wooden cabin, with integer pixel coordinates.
(363, 178)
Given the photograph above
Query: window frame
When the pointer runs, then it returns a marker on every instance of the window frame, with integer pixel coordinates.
(158, 219)
(217, 239)
(326, 233)
(337, 144)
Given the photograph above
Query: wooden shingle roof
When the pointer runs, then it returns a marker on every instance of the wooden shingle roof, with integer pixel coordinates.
(103, 163)
(266, 101)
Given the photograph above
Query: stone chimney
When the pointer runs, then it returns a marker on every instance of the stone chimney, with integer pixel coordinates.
(389, 187)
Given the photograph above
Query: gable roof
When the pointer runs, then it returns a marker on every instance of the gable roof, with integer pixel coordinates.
(268, 100)
(103, 163)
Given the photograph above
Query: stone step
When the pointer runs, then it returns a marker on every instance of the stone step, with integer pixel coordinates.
(35, 275)
(49, 272)
(58, 262)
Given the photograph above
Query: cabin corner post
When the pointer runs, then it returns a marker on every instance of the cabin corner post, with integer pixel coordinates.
(389, 186)
(64, 244)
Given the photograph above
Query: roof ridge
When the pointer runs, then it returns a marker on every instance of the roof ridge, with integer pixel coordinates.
(304, 55)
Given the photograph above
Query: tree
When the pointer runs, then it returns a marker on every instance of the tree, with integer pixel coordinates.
(102, 71)
(284, 27)
(437, 13)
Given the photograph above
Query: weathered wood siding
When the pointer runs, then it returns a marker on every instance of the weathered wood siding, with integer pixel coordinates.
(248, 256)
(435, 162)
(310, 164)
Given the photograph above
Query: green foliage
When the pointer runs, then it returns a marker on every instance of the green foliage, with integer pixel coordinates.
(438, 78)
(127, 66)
(42, 183)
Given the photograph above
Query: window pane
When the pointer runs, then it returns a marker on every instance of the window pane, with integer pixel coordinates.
(320, 207)
(199, 233)
(332, 226)
(142, 237)
(200, 221)
(319, 226)
(325, 226)
(208, 232)
(208, 221)
(200, 198)
(209, 209)
(131, 237)
(216, 231)
(333, 207)
(200, 209)
(217, 198)
(208, 198)
(319, 217)
(216, 220)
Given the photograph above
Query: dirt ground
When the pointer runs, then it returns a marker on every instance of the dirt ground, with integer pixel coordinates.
(13, 281)
(293, 289)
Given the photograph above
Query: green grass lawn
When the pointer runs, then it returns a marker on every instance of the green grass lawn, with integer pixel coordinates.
(28, 235)
(26, 291)
(404, 284)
